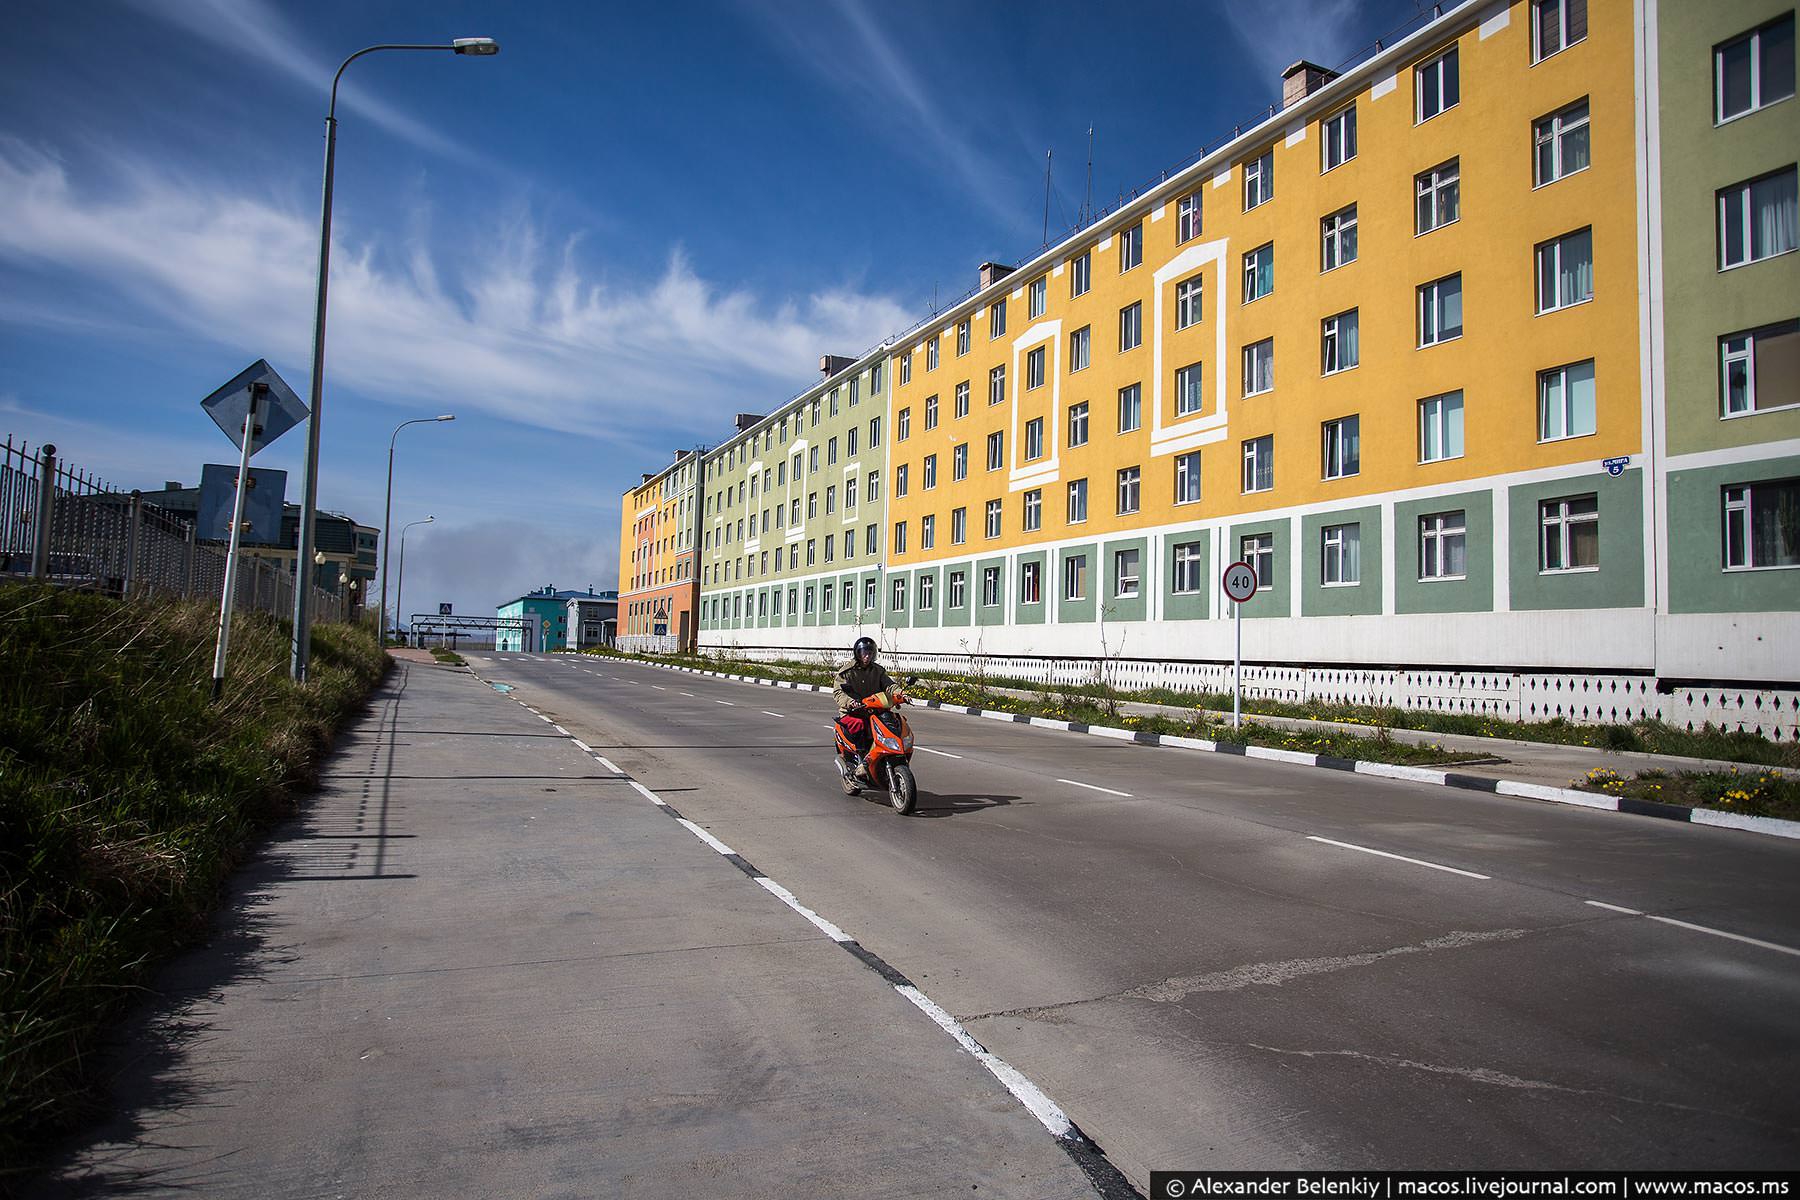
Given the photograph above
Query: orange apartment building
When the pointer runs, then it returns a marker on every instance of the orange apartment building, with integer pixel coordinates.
(658, 582)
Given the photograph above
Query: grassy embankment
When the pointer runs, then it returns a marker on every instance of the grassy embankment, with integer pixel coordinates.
(1755, 793)
(126, 798)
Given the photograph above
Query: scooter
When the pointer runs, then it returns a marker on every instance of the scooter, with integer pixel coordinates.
(889, 762)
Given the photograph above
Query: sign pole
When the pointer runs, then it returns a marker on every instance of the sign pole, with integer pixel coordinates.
(229, 595)
(1237, 664)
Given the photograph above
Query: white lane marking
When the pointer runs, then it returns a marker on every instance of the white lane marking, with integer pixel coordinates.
(689, 695)
(1736, 937)
(1630, 912)
(1028, 1093)
(1094, 787)
(562, 731)
(767, 713)
(589, 749)
(929, 750)
(607, 763)
(1417, 862)
(649, 795)
(659, 687)
(726, 703)
(786, 897)
(706, 837)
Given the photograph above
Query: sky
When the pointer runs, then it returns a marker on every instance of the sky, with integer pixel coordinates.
(592, 248)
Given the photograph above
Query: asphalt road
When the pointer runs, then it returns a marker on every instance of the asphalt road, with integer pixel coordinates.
(1215, 962)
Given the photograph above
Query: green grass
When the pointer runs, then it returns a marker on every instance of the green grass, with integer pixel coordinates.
(1753, 793)
(449, 657)
(126, 798)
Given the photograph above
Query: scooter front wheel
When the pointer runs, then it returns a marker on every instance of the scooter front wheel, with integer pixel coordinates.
(903, 790)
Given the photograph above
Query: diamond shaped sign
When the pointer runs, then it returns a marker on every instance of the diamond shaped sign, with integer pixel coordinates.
(278, 409)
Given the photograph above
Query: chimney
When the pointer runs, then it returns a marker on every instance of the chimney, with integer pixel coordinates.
(1302, 80)
(746, 420)
(647, 478)
(681, 454)
(171, 485)
(831, 364)
(991, 272)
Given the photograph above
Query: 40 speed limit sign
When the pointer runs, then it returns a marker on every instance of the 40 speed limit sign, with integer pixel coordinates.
(1239, 581)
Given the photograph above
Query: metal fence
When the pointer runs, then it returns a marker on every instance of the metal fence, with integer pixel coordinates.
(65, 526)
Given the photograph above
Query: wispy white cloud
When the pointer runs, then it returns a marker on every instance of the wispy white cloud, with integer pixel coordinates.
(1277, 33)
(522, 330)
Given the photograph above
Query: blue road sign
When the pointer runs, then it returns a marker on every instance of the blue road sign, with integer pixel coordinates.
(262, 504)
(278, 410)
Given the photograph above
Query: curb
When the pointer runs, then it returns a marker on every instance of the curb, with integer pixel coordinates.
(1768, 826)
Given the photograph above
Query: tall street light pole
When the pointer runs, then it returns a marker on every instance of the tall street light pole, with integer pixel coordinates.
(400, 584)
(300, 651)
(387, 517)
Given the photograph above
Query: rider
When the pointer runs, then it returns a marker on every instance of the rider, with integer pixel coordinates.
(864, 677)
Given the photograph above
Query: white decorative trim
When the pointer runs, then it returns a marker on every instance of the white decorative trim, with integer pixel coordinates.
(1498, 18)
(1384, 85)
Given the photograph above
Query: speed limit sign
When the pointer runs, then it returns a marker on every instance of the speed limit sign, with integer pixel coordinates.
(1239, 581)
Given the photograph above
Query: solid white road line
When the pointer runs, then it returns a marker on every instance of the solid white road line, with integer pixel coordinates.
(786, 897)
(608, 764)
(1736, 937)
(1417, 862)
(562, 731)
(585, 747)
(1094, 787)
(929, 750)
(1630, 912)
(1027, 1092)
(647, 794)
(706, 837)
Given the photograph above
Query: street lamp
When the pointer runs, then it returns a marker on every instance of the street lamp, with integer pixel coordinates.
(300, 651)
(387, 515)
(400, 584)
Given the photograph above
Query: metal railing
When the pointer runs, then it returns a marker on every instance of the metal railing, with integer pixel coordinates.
(63, 525)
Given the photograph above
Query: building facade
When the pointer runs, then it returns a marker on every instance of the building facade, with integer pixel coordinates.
(1482, 355)
(658, 584)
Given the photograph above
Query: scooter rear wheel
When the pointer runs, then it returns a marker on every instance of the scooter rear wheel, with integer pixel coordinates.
(903, 790)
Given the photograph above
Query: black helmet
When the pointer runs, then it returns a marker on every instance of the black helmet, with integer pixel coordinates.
(863, 651)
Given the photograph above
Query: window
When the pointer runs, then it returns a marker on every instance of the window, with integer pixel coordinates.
(959, 461)
(1339, 130)
(1190, 394)
(1566, 401)
(1440, 310)
(871, 545)
(1127, 573)
(1131, 409)
(1759, 369)
(1259, 367)
(899, 598)
(959, 526)
(996, 329)
(990, 587)
(1342, 447)
(1561, 141)
(1190, 568)
(927, 585)
(1565, 271)
(1128, 490)
(1131, 247)
(1187, 303)
(809, 601)
(856, 386)
(874, 379)
(1259, 180)
(996, 391)
(1078, 496)
(1080, 344)
(830, 453)
(902, 426)
(849, 495)
(1259, 272)
(1257, 551)
(1031, 579)
(996, 450)
(1762, 525)
(1754, 71)
(1569, 534)
(928, 472)
(869, 595)
(1187, 477)
(1556, 25)
(1338, 348)
(1441, 427)
(1757, 219)
(1442, 548)
(1081, 273)
(1131, 326)
(1034, 510)
(830, 552)
(1439, 196)
(874, 432)
(1034, 371)
(1340, 555)
(872, 490)
(905, 378)
(812, 505)
(1436, 86)
(959, 590)
(928, 531)
(1337, 237)
(1259, 463)
(992, 528)
(1075, 577)
(1037, 296)
(1034, 439)
(825, 597)
(899, 537)
(1078, 424)
(931, 353)
(849, 600)
(850, 443)
(1187, 218)
(902, 476)
(962, 337)
(931, 412)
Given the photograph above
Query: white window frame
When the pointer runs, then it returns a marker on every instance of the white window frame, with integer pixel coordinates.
(1739, 505)
(958, 588)
(993, 516)
(990, 587)
(1131, 326)
(962, 337)
(926, 599)
(1436, 191)
(996, 450)
(1259, 367)
(1757, 101)
(1128, 573)
(996, 325)
(1337, 133)
(1128, 496)
(1259, 465)
(1339, 564)
(996, 388)
(1257, 551)
(1563, 402)
(1037, 296)
(1563, 41)
(1551, 253)
(1077, 510)
(902, 425)
(931, 411)
(1078, 424)
(1557, 520)
(959, 526)
(897, 601)
(1337, 234)
(1081, 274)
(931, 358)
(1436, 534)
(1430, 315)
(928, 472)
(1075, 577)
(1032, 510)
(960, 404)
(1131, 247)
(1253, 261)
(1739, 349)
(1259, 179)
(959, 462)
(1190, 295)
(1190, 569)
(1735, 201)
(1131, 399)
(1440, 68)
(1031, 582)
(1189, 213)
(1436, 410)
(1190, 389)
(1034, 367)
(1187, 478)
(1331, 342)
(1341, 455)
(1081, 345)
(1553, 131)
(1034, 439)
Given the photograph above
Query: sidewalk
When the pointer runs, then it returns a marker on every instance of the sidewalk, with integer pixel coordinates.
(480, 965)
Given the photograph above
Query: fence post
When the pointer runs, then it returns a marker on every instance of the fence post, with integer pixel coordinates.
(187, 563)
(40, 549)
(132, 539)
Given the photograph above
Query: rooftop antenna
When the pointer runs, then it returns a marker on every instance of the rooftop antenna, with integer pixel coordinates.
(1088, 212)
(1047, 154)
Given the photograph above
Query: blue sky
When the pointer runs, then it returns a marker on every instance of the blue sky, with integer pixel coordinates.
(593, 248)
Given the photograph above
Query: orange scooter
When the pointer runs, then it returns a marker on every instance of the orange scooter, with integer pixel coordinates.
(889, 763)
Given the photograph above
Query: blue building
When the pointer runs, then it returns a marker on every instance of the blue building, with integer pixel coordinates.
(558, 620)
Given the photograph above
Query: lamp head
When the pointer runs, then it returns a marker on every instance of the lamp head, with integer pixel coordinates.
(479, 46)
(448, 417)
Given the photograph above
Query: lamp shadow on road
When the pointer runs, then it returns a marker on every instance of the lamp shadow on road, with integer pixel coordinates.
(937, 804)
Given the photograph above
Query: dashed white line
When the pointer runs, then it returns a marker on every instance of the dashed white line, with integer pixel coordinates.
(929, 750)
(647, 794)
(786, 897)
(1417, 862)
(1736, 937)
(726, 703)
(1630, 912)
(704, 836)
(1094, 787)
(689, 695)
(608, 764)
(659, 687)
(767, 713)
(562, 731)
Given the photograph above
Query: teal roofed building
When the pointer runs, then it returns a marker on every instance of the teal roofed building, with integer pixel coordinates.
(553, 620)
